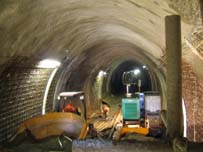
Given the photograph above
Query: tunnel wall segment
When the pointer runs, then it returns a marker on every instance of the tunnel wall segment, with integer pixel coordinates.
(193, 95)
(22, 87)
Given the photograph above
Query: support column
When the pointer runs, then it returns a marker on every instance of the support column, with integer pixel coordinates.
(173, 79)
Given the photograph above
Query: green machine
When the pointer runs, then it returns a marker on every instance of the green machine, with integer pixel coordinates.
(133, 107)
(132, 103)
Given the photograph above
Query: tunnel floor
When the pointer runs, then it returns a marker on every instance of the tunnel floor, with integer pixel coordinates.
(96, 145)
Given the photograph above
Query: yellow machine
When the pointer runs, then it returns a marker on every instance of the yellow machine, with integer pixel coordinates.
(133, 108)
(57, 123)
(134, 120)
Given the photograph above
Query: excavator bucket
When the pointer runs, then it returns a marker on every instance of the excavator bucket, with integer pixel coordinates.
(53, 124)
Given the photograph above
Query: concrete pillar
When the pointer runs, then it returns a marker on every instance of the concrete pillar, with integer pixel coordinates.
(173, 79)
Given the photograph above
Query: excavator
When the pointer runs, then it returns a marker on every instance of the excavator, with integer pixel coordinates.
(62, 125)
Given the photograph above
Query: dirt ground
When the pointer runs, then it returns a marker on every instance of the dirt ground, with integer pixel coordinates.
(96, 145)
(91, 145)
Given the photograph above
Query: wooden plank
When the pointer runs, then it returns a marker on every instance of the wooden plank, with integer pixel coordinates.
(115, 120)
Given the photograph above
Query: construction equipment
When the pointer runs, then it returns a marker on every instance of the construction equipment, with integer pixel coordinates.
(135, 115)
(56, 123)
(74, 101)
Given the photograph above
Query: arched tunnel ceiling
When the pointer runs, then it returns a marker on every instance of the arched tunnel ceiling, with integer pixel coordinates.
(55, 29)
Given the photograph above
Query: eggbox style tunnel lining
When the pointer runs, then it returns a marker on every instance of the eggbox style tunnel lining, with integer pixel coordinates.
(87, 37)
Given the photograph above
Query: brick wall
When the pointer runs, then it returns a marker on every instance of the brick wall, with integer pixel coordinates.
(50, 98)
(22, 88)
(193, 96)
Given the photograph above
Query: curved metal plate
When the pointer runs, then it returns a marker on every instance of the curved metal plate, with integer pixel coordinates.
(53, 124)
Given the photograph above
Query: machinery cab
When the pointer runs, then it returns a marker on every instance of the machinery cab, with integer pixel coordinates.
(73, 102)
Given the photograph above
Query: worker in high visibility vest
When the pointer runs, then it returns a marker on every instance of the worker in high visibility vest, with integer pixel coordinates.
(69, 108)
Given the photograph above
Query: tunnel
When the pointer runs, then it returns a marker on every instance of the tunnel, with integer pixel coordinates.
(116, 86)
(48, 47)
